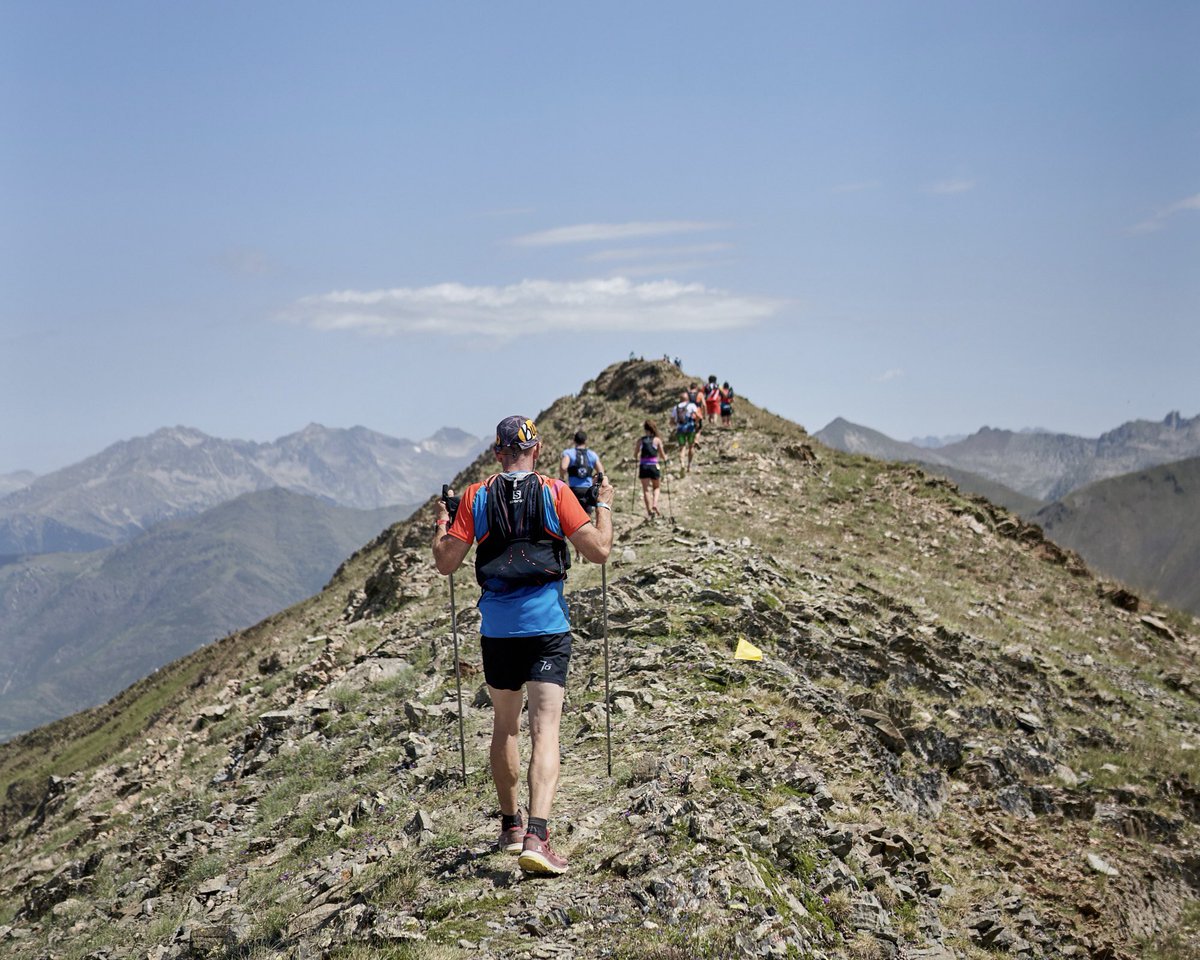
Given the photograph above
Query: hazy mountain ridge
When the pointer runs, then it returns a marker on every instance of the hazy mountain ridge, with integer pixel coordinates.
(11, 482)
(1036, 463)
(176, 472)
(75, 629)
(955, 747)
(1141, 528)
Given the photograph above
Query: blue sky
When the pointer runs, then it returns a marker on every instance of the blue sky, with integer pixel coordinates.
(925, 217)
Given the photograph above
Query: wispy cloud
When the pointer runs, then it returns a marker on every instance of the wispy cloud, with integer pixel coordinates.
(532, 306)
(857, 187)
(608, 232)
(641, 253)
(945, 187)
(894, 374)
(1159, 219)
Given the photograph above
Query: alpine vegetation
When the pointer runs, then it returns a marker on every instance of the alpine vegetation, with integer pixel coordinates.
(942, 738)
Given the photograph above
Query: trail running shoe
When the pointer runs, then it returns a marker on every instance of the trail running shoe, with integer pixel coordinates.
(538, 858)
(512, 840)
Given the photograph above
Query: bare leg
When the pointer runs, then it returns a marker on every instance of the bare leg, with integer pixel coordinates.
(505, 757)
(545, 712)
(646, 495)
(656, 483)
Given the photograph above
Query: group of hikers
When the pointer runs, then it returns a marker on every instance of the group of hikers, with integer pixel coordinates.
(520, 522)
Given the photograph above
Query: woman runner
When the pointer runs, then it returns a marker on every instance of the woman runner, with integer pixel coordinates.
(648, 452)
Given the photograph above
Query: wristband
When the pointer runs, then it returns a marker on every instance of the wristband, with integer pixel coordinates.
(605, 506)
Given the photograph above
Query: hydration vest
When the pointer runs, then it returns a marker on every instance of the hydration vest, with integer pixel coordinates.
(683, 422)
(711, 391)
(582, 467)
(649, 450)
(518, 550)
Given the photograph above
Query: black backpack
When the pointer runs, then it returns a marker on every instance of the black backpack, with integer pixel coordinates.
(518, 550)
(649, 450)
(582, 467)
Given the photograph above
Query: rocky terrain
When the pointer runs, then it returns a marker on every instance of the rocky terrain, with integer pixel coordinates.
(1042, 465)
(120, 493)
(958, 744)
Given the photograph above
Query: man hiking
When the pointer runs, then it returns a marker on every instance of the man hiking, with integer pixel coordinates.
(726, 404)
(520, 521)
(685, 415)
(579, 467)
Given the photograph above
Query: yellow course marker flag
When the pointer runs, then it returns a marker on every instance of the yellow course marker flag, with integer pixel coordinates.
(746, 650)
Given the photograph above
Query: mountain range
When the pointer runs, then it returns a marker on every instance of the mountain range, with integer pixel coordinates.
(77, 628)
(1142, 528)
(958, 744)
(11, 482)
(129, 487)
(1038, 464)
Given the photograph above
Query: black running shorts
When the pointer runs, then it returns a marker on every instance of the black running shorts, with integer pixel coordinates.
(648, 472)
(510, 662)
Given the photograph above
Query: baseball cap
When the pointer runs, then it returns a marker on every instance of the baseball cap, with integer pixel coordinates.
(516, 431)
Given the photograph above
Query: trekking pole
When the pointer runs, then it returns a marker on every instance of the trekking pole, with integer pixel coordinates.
(607, 699)
(462, 741)
(667, 484)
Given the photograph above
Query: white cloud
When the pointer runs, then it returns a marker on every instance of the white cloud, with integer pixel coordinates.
(532, 306)
(894, 374)
(945, 187)
(642, 253)
(607, 232)
(857, 187)
(1159, 219)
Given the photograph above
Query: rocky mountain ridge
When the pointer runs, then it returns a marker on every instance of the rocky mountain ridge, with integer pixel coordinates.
(11, 482)
(958, 744)
(177, 472)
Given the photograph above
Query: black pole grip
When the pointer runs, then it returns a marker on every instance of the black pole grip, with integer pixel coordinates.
(450, 502)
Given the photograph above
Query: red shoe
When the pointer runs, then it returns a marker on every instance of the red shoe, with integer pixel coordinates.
(538, 858)
(512, 840)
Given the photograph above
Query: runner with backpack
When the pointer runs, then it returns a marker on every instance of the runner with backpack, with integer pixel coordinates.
(686, 417)
(578, 467)
(520, 522)
(649, 452)
(712, 399)
(726, 405)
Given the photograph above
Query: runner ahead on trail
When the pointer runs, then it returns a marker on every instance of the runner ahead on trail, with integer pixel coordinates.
(649, 452)
(712, 399)
(685, 415)
(726, 404)
(579, 467)
(520, 521)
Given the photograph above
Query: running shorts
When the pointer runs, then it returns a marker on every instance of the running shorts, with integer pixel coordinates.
(510, 662)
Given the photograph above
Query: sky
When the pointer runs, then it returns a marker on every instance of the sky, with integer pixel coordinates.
(924, 217)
